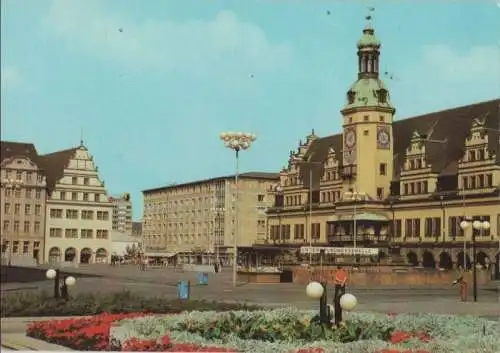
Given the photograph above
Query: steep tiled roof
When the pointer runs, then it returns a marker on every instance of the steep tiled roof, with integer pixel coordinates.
(12, 149)
(54, 164)
(452, 125)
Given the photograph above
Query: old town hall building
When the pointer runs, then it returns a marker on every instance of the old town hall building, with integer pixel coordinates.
(403, 186)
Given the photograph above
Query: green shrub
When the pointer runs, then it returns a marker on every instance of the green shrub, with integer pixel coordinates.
(42, 304)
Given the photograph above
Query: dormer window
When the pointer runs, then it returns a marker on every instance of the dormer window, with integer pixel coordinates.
(351, 96)
(382, 96)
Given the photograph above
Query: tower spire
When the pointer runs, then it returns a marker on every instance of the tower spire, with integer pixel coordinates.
(368, 50)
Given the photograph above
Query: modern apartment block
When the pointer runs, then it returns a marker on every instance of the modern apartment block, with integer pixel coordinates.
(122, 213)
(22, 204)
(79, 213)
(196, 221)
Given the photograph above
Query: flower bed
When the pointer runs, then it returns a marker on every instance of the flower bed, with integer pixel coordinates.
(276, 331)
(292, 331)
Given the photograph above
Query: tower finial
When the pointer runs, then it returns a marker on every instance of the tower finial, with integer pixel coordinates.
(81, 136)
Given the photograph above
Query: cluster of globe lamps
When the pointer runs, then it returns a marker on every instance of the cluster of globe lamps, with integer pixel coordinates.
(237, 140)
(69, 281)
(316, 290)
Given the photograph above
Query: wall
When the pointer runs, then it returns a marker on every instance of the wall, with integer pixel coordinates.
(375, 279)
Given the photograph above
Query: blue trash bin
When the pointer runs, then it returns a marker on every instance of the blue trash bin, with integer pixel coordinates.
(183, 290)
(202, 278)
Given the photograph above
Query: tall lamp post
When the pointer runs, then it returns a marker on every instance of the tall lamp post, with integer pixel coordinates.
(480, 226)
(355, 196)
(237, 141)
(311, 165)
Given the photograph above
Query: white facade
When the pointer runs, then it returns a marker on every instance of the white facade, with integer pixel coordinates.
(122, 241)
(79, 214)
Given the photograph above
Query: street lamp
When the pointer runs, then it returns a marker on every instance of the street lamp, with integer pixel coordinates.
(237, 141)
(60, 286)
(310, 165)
(355, 196)
(481, 226)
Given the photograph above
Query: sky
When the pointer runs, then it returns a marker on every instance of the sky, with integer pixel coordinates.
(150, 85)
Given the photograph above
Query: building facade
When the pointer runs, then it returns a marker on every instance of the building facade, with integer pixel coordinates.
(79, 213)
(22, 204)
(197, 221)
(122, 213)
(403, 186)
(137, 229)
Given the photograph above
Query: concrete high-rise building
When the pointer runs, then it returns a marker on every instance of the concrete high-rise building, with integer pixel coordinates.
(22, 204)
(122, 213)
(79, 213)
(196, 220)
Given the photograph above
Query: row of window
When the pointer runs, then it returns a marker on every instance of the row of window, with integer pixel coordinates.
(57, 213)
(72, 233)
(28, 227)
(23, 175)
(476, 154)
(283, 231)
(28, 193)
(85, 196)
(76, 180)
(412, 228)
(15, 247)
(477, 181)
(27, 209)
(416, 188)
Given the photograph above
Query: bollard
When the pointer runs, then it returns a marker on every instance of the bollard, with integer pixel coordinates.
(324, 312)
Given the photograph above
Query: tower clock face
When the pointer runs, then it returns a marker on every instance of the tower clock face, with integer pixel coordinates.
(350, 138)
(383, 137)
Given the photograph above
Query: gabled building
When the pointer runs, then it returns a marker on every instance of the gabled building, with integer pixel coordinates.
(401, 185)
(79, 213)
(22, 204)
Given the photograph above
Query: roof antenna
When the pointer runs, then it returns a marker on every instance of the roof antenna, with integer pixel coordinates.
(81, 136)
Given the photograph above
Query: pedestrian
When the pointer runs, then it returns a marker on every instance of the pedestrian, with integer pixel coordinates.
(340, 282)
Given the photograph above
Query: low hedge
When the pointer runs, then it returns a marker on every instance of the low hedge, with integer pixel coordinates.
(43, 304)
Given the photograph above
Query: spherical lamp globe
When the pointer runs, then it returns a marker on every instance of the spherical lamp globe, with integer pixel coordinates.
(50, 274)
(314, 290)
(348, 302)
(70, 281)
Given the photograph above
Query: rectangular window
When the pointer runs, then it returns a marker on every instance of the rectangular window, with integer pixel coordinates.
(26, 247)
(62, 195)
(85, 181)
(260, 198)
(38, 194)
(383, 169)
(17, 208)
(380, 193)
(19, 175)
(74, 196)
(315, 231)
(27, 209)
(38, 210)
(86, 233)
(74, 180)
(29, 193)
(16, 226)
(6, 225)
(37, 227)
(56, 213)
(29, 176)
(6, 209)
(55, 232)
(71, 233)
(85, 196)
(72, 214)
(27, 226)
(102, 234)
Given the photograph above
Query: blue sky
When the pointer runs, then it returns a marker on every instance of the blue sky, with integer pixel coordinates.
(152, 83)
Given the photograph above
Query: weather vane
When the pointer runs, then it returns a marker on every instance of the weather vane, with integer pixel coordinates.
(369, 16)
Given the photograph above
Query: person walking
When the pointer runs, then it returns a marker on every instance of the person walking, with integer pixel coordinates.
(340, 282)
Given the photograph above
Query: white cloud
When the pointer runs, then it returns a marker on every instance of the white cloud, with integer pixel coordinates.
(442, 77)
(479, 63)
(222, 42)
(10, 77)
